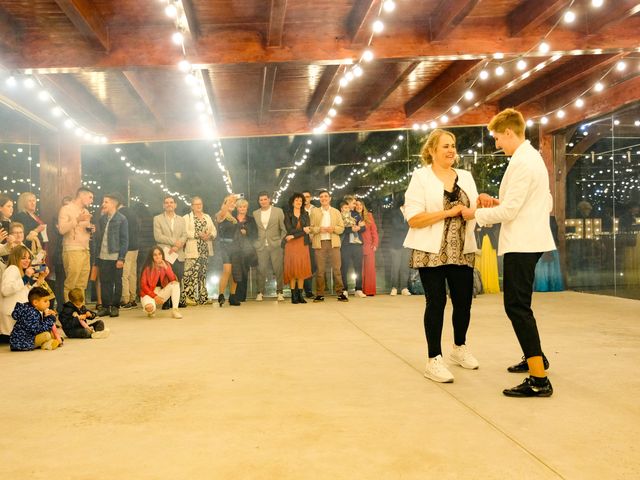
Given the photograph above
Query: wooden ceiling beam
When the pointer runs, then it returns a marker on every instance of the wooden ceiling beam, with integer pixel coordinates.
(614, 12)
(139, 89)
(570, 72)
(528, 15)
(327, 86)
(269, 75)
(87, 19)
(450, 14)
(361, 19)
(10, 32)
(455, 72)
(192, 20)
(276, 23)
(390, 81)
(79, 101)
(147, 47)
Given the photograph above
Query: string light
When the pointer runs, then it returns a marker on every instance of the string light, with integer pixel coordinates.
(302, 154)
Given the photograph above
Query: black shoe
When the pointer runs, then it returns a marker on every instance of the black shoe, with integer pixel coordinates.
(301, 297)
(233, 300)
(309, 294)
(294, 296)
(128, 305)
(114, 311)
(528, 388)
(342, 298)
(182, 305)
(221, 299)
(319, 298)
(523, 366)
(102, 312)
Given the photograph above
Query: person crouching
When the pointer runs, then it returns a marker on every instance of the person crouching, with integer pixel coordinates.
(158, 283)
(35, 324)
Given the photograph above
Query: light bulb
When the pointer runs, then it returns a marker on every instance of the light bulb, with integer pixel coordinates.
(177, 38)
(444, 119)
(433, 124)
(389, 6)
(560, 113)
(621, 66)
(29, 83)
(544, 47)
(455, 109)
(598, 87)
(171, 11)
(416, 126)
(579, 103)
(337, 100)
(468, 95)
(56, 111)
(569, 17)
(498, 56)
(521, 65)
(367, 56)
(333, 112)
(378, 26)
(184, 65)
(544, 120)
(597, 3)
(484, 74)
(44, 95)
(357, 71)
(11, 81)
(499, 70)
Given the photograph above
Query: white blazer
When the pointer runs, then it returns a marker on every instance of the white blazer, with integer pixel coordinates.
(13, 291)
(425, 194)
(191, 247)
(525, 203)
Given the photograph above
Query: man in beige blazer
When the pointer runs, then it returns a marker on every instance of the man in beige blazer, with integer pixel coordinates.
(170, 234)
(271, 231)
(326, 227)
(523, 210)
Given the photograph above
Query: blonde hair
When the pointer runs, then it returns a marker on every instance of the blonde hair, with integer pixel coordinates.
(241, 202)
(23, 199)
(431, 143)
(509, 118)
(76, 295)
(16, 255)
(15, 225)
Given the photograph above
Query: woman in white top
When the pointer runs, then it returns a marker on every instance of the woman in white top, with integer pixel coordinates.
(443, 246)
(17, 280)
(198, 249)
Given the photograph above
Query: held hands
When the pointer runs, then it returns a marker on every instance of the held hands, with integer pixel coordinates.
(288, 238)
(454, 211)
(468, 213)
(159, 300)
(306, 229)
(487, 201)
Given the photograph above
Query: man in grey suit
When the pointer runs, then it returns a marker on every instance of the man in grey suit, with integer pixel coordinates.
(271, 231)
(170, 233)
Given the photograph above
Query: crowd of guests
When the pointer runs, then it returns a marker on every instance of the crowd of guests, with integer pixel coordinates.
(294, 245)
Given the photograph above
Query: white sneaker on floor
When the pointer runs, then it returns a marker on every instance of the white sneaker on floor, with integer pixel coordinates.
(259, 297)
(406, 292)
(360, 293)
(101, 334)
(175, 313)
(437, 371)
(463, 357)
(280, 297)
(394, 292)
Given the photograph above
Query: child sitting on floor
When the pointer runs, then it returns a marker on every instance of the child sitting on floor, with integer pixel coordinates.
(35, 324)
(76, 318)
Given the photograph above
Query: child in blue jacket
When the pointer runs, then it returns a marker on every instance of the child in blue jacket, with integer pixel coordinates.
(35, 324)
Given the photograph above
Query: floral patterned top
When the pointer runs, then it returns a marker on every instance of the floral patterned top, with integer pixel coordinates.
(452, 238)
(201, 227)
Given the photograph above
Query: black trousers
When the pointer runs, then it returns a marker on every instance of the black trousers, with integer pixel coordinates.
(351, 254)
(308, 282)
(110, 283)
(519, 272)
(434, 280)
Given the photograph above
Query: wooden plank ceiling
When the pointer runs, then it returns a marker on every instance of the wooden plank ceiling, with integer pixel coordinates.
(273, 67)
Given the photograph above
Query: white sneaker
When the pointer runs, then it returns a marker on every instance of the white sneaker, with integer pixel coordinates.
(346, 293)
(175, 313)
(259, 297)
(101, 334)
(360, 293)
(280, 297)
(463, 357)
(406, 292)
(394, 292)
(437, 371)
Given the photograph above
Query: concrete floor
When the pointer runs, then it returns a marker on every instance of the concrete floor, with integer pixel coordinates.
(325, 391)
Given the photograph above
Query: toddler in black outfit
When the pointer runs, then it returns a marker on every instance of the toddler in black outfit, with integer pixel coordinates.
(78, 321)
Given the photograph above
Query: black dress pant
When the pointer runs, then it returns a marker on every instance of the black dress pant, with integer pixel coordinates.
(308, 282)
(351, 254)
(110, 283)
(519, 272)
(434, 281)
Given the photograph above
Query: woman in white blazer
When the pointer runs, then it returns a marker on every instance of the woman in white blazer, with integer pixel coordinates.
(444, 247)
(199, 247)
(17, 280)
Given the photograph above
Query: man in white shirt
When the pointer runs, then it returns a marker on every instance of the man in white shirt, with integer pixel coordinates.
(523, 210)
(308, 282)
(271, 231)
(170, 233)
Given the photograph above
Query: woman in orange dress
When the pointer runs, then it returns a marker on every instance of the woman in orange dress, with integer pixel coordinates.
(369, 246)
(297, 263)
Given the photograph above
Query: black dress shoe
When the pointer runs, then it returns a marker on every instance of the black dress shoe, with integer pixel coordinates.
(319, 298)
(530, 388)
(309, 294)
(342, 298)
(102, 312)
(233, 301)
(523, 366)
(221, 299)
(114, 311)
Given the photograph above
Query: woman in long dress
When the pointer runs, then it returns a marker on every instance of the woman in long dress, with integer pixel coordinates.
(370, 242)
(297, 263)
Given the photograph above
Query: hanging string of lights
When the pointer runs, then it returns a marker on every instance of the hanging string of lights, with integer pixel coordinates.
(30, 83)
(302, 153)
(175, 10)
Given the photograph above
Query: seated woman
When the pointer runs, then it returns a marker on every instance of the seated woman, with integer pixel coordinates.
(158, 283)
(17, 280)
